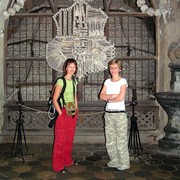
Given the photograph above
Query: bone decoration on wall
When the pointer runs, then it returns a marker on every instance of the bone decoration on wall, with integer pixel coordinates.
(80, 35)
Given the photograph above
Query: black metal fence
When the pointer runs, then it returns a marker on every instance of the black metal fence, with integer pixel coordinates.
(26, 66)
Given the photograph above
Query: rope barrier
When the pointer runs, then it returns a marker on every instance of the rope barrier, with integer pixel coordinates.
(42, 112)
(45, 112)
(80, 114)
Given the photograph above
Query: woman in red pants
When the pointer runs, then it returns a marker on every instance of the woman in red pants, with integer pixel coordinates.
(65, 123)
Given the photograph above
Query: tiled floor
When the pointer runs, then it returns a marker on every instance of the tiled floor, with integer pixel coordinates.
(92, 158)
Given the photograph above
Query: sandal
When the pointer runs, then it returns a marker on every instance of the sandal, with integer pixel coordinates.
(63, 171)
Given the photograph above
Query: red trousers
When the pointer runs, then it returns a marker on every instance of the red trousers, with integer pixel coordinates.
(63, 141)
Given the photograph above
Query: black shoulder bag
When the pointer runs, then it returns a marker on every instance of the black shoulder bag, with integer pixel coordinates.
(52, 113)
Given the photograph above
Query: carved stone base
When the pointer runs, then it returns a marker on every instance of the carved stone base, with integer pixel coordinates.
(169, 146)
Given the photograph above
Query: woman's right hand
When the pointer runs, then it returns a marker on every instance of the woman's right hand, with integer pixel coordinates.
(60, 112)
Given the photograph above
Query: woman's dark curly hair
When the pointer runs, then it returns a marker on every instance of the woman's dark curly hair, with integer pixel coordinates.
(67, 62)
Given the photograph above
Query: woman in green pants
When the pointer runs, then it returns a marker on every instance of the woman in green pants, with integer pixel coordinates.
(116, 122)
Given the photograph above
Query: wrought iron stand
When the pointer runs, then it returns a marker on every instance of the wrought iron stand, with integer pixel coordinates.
(134, 144)
(20, 149)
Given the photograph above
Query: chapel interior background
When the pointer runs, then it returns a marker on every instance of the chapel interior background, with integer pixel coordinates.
(134, 36)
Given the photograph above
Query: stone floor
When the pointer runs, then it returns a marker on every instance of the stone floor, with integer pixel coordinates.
(36, 164)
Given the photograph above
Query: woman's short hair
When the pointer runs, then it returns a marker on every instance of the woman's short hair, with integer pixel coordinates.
(115, 61)
(69, 61)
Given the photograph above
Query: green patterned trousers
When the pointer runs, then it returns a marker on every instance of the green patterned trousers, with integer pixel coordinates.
(116, 126)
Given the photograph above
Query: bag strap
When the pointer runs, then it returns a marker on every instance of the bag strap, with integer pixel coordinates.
(61, 96)
(73, 81)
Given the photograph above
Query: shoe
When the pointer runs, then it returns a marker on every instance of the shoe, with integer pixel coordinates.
(122, 168)
(63, 171)
(75, 163)
(117, 170)
(106, 167)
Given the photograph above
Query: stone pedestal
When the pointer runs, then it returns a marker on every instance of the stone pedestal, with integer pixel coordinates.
(171, 104)
(170, 101)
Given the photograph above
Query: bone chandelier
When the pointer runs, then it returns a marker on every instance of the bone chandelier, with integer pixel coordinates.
(80, 35)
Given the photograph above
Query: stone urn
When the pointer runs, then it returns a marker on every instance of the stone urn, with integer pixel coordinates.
(170, 102)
